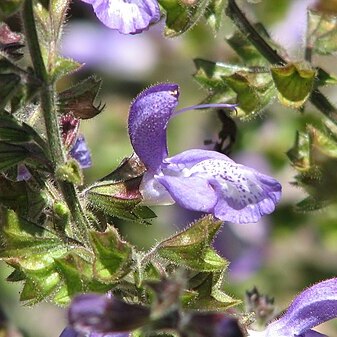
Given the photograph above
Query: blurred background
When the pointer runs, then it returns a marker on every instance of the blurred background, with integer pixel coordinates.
(283, 253)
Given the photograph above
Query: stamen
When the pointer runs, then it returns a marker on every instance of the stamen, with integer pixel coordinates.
(206, 106)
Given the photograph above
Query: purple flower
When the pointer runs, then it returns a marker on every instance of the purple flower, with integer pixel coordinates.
(75, 142)
(81, 153)
(310, 308)
(198, 180)
(103, 316)
(127, 16)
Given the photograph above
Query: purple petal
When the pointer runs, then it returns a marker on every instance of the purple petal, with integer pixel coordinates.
(81, 153)
(148, 118)
(128, 17)
(117, 334)
(69, 332)
(312, 333)
(312, 307)
(206, 181)
(194, 193)
(23, 173)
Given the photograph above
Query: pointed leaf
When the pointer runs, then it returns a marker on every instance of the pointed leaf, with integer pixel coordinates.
(63, 67)
(113, 256)
(182, 16)
(210, 295)
(79, 99)
(8, 84)
(299, 154)
(191, 247)
(76, 269)
(118, 199)
(22, 198)
(215, 14)
(294, 83)
(322, 32)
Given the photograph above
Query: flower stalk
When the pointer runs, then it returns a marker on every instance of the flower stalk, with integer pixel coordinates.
(49, 111)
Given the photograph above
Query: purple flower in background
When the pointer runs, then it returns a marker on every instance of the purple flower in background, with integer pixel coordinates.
(105, 316)
(70, 332)
(198, 180)
(310, 308)
(127, 16)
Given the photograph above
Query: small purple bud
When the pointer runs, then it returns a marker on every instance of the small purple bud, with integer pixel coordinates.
(81, 153)
(103, 314)
(23, 173)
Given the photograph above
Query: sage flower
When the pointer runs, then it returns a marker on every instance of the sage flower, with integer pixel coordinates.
(199, 180)
(310, 308)
(128, 17)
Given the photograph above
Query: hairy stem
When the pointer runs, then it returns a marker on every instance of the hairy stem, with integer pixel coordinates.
(272, 56)
(50, 115)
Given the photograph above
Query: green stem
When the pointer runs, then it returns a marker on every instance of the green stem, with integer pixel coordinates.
(50, 115)
(272, 56)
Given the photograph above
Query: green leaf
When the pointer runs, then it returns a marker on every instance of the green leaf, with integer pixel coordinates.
(39, 284)
(14, 131)
(210, 293)
(9, 7)
(20, 237)
(11, 155)
(299, 154)
(57, 11)
(324, 78)
(215, 14)
(27, 201)
(294, 83)
(113, 256)
(252, 88)
(191, 247)
(118, 199)
(245, 50)
(324, 140)
(322, 32)
(254, 92)
(31, 250)
(76, 270)
(8, 84)
(79, 99)
(63, 66)
(181, 16)
(310, 204)
(211, 74)
(49, 26)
